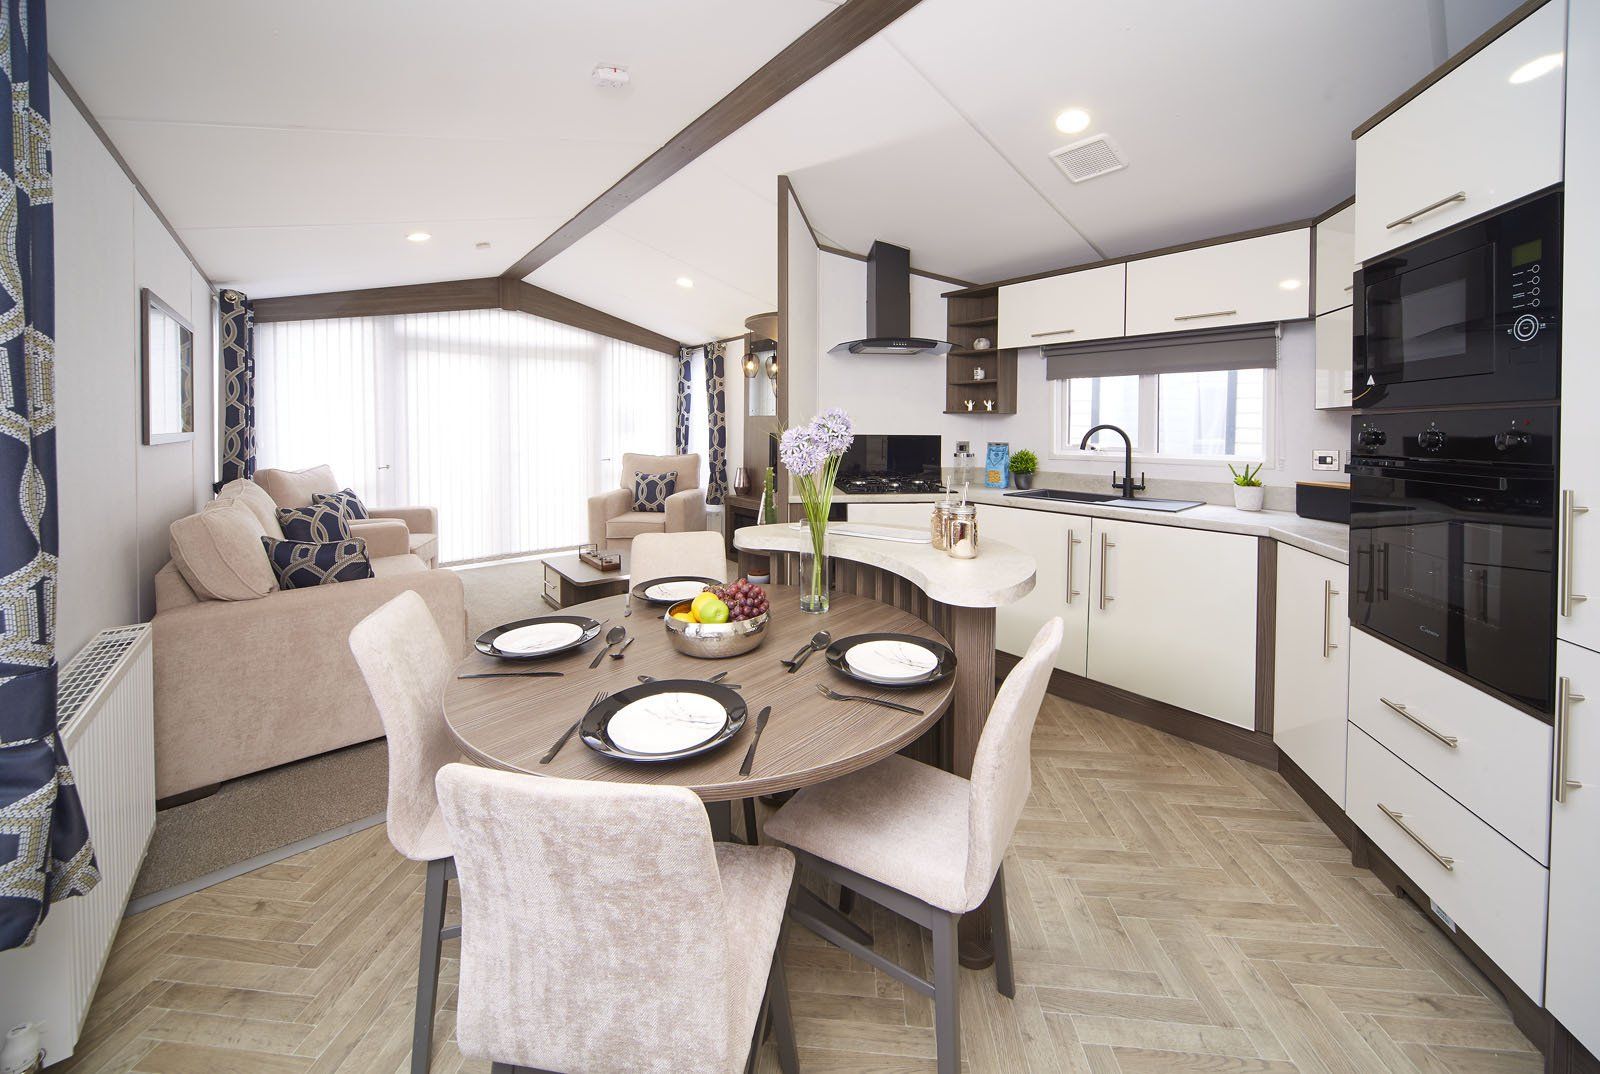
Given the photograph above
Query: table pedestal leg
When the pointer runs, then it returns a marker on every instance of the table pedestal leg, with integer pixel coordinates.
(721, 816)
(972, 637)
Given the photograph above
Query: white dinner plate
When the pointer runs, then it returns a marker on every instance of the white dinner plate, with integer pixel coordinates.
(673, 592)
(666, 723)
(538, 638)
(891, 660)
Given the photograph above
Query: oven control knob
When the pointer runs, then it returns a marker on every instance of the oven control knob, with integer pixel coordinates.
(1430, 439)
(1371, 438)
(1524, 328)
(1513, 438)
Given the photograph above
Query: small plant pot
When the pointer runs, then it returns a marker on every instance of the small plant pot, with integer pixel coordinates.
(1249, 497)
(1022, 481)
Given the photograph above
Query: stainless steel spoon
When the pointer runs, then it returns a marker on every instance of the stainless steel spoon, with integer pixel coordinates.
(819, 641)
(613, 636)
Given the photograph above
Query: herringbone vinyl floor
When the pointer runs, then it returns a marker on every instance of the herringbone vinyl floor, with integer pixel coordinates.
(1172, 910)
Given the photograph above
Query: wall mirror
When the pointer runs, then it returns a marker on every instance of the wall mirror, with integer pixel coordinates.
(166, 344)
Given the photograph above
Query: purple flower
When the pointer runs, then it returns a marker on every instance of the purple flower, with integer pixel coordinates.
(833, 428)
(801, 451)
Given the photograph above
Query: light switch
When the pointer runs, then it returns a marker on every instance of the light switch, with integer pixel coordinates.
(1322, 459)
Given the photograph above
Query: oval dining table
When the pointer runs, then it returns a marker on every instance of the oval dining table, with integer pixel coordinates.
(510, 723)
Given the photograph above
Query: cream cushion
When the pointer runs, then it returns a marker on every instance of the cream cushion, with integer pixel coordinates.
(633, 523)
(294, 488)
(219, 553)
(686, 466)
(254, 497)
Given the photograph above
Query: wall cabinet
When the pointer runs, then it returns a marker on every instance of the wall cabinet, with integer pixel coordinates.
(1060, 545)
(1173, 616)
(1312, 666)
(1335, 342)
(1241, 282)
(1336, 260)
(1573, 986)
(1486, 134)
(1068, 308)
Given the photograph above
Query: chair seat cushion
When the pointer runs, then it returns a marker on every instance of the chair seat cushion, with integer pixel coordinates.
(900, 822)
(385, 566)
(755, 889)
(424, 545)
(633, 523)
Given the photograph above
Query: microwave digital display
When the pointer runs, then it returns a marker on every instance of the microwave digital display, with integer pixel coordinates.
(1526, 253)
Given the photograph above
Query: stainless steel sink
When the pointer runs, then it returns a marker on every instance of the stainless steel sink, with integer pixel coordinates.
(1101, 499)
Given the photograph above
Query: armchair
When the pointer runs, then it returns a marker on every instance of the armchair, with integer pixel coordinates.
(390, 530)
(613, 523)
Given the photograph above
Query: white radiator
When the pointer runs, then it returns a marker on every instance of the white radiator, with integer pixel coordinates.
(105, 704)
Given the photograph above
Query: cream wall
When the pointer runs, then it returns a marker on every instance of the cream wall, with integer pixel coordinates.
(116, 496)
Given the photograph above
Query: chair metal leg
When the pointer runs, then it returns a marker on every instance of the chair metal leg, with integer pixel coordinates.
(1004, 979)
(433, 903)
(752, 836)
(946, 993)
(847, 900)
(782, 1019)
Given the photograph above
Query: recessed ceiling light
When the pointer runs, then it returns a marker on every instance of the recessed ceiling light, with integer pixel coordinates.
(1072, 121)
(1289, 285)
(1536, 68)
(480, 246)
(418, 236)
(684, 281)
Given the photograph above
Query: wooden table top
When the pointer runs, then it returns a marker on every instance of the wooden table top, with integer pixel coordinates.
(510, 723)
(575, 570)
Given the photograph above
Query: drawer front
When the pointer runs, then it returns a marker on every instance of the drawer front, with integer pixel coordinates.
(1499, 766)
(1491, 889)
(1243, 282)
(1069, 308)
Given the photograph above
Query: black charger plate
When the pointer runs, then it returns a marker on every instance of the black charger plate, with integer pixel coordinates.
(638, 590)
(946, 667)
(592, 728)
(485, 642)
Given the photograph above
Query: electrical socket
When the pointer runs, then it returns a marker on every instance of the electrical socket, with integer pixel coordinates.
(1325, 459)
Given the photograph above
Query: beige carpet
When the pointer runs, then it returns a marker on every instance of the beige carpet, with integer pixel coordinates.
(502, 593)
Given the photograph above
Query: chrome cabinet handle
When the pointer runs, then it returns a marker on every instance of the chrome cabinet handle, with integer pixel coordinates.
(1400, 821)
(1569, 513)
(1449, 740)
(1565, 699)
(1106, 545)
(1073, 541)
(1328, 593)
(1203, 316)
(1460, 195)
(1057, 332)
(1349, 287)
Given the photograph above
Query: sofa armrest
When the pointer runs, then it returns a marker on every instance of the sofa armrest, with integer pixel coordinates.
(686, 511)
(603, 508)
(384, 536)
(417, 519)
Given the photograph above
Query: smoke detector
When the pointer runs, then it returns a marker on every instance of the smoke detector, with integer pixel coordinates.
(609, 76)
(1088, 158)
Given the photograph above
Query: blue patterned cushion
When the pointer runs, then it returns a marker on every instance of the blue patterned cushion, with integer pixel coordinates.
(650, 491)
(348, 503)
(307, 564)
(319, 523)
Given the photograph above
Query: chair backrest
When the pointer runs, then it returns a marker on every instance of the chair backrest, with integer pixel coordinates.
(1001, 770)
(687, 467)
(406, 664)
(657, 555)
(594, 934)
(294, 488)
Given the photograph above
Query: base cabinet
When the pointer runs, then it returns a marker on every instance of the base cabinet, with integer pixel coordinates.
(1060, 546)
(1312, 667)
(1573, 975)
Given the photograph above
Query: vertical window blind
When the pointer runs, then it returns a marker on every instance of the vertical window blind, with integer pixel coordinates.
(504, 421)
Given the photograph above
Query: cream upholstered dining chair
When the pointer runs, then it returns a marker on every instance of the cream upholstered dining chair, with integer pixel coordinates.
(613, 522)
(926, 843)
(406, 664)
(604, 932)
(658, 555)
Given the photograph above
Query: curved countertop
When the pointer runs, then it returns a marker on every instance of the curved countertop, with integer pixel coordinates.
(1001, 573)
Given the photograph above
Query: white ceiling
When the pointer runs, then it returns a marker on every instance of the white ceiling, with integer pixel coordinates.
(297, 143)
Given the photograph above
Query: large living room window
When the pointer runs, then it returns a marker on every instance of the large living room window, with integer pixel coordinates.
(502, 420)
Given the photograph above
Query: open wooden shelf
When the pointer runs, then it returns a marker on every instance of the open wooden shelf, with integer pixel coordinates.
(974, 322)
(972, 315)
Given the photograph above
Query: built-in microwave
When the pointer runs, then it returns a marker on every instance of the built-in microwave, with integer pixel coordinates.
(1470, 315)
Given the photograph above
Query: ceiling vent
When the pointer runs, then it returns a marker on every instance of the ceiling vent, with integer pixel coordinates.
(1089, 158)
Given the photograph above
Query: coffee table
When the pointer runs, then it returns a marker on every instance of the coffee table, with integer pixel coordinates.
(568, 580)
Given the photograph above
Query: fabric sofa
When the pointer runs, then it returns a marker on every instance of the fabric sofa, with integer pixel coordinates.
(396, 530)
(613, 523)
(249, 676)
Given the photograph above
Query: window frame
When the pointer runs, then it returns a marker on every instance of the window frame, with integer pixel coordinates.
(1149, 428)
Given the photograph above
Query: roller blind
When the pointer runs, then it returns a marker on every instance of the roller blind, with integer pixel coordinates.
(1249, 347)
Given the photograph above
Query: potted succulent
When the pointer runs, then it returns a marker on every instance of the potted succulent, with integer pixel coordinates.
(1023, 464)
(1248, 494)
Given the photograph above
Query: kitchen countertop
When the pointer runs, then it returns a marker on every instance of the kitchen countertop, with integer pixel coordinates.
(1328, 539)
(1001, 573)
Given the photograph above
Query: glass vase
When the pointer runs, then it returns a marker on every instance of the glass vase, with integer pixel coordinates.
(814, 578)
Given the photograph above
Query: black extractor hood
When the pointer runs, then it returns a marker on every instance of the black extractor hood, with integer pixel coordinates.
(889, 308)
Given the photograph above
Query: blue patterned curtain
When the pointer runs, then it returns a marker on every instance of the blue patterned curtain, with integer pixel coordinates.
(238, 387)
(717, 419)
(680, 430)
(45, 854)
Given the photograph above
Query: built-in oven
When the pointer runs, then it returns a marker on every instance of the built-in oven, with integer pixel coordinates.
(1471, 315)
(1453, 542)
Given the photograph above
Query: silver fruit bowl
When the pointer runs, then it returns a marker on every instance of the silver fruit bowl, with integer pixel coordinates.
(715, 641)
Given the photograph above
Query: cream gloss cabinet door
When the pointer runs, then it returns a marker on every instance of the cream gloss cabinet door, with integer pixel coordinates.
(1335, 344)
(1312, 669)
(1059, 543)
(1335, 239)
(1487, 133)
(1172, 616)
(1572, 982)
(1250, 281)
(1069, 308)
